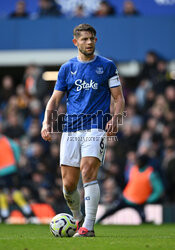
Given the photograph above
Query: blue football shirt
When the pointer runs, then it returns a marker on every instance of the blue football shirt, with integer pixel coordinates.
(87, 85)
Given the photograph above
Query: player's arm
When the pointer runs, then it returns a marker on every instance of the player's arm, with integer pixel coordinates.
(52, 105)
(16, 150)
(157, 187)
(119, 104)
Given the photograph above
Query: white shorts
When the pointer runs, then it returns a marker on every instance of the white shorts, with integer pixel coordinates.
(75, 145)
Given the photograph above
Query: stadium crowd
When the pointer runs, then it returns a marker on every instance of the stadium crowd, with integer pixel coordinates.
(149, 128)
(76, 8)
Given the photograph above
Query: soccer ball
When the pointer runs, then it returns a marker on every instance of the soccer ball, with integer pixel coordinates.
(63, 225)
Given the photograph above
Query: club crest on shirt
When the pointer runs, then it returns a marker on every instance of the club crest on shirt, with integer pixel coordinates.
(99, 70)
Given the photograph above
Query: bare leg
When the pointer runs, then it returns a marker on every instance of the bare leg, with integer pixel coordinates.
(70, 178)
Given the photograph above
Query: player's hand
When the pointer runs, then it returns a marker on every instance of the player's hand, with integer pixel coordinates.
(45, 132)
(112, 127)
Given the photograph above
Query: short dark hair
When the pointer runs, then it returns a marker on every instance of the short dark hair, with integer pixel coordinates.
(143, 160)
(84, 27)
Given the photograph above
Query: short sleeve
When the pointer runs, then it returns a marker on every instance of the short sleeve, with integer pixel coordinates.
(114, 80)
(61, 80)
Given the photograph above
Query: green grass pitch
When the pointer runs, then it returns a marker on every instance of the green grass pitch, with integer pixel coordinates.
(38, 237)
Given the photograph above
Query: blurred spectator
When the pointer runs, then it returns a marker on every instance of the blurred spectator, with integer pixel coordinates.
(161, 80)
(144, 142)
(35, 113)
(48, 8)
(54, 159)
(170, 96)
(9, 179)
(130, 162)
(134, 119)
(150, 97)
(129, 9)
(109, 191)
(169, 169)
(158, 109)
(144, 186)
(79, 11)
(105, 9)
(22, 101)
(13, 129)
(78, 8)
(141, 91)
(34, 131)
(150, 66)
(35, 155)
(11, 108)
(7, 89)
(21, 95)
(34, 83)
(20, 10)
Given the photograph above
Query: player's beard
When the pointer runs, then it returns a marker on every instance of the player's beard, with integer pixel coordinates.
(87, 53)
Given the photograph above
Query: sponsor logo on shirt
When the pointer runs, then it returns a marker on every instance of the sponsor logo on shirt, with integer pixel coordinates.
(85, 85)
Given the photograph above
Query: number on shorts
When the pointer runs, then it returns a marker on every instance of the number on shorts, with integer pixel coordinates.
(102, 145)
